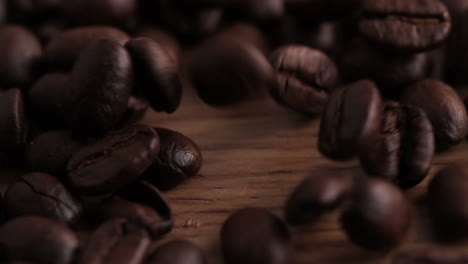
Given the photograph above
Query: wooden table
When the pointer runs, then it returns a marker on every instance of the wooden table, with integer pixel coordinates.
(254, 155)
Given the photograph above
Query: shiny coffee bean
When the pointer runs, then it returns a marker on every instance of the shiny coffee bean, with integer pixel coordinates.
(100, 86)
(316, 195)
(114, 161)
(403, 149)
(47, 99)
(116, 241)
(50, 152)
(444, 108)
(177, 252)
(164, 39)
(64, 49)
(225, 71)
(136, 110)
(156, 74)
(179, 159)
(405, 25)
(247, 33)
(431, 256)
(322, 10)
(20, 53)
(254, 235)
(38, 240)
(306, 76)
(43, 195)
(13, 122)
(142, 204)
(351, 116)
(114, 12)
(378, 216)
(447, 195)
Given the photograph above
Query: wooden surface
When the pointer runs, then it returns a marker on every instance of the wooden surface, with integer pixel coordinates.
(254, 155)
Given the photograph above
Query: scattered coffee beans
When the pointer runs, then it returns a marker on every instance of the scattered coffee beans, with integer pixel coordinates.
(177, 252)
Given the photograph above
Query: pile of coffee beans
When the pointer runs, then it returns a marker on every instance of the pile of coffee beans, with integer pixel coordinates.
(78, 76)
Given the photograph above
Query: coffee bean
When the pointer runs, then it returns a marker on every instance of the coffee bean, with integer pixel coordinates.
(100, 86)
(116, 241)
(351, 116)
(64, 49)
(37, 239)
(177, 252)
(142, 204)
(164, 39)
(136, 110)
(305, 78)
(115, 12)
(446, 195)
(402, 25)
(403, 149)
(43, 195)
(322, 10)
(13, 122)
(431, 256)
(50, 152)
(114, 161)
(20, 53)
(156, 74)
(225, 71)
(255, 235)
(47, 99)
(247, 33)
(316, 195)
(378, 216)
(444, 108)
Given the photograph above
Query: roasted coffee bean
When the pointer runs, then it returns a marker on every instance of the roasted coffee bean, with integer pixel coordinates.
(177, 252)
(114, 161)
(47, 99)
(225, 71)
(403, 149)
(43, 195)
(255, 235)
(136, 110)
(247, 33)
(13, 122)
(378, 216)
(322, 10)
(444, 108)
(446, 195)
(142, 204)
(20, 53)
(156, 74)
(164, 39)
(115, 12)
(402, 25)
(38, 240)
(179, 159)
(316, 195)
(50, 152)
(64, 49)
(100, 86)
(351, 116)
(116, 241)
(431, 256)
(306, 76)
(391, 73)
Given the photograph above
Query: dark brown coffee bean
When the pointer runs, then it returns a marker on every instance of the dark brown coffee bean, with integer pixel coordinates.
(136, 110)
(116, 241)
(20, 52)
(378, 216)
(225, 71)
(63, 50)
(38, 240)
(100, 86)
(156, 74)
(444, 108)
(47, 99)
(114, 12)
(317, 195)
(405, 25)
(43, 195)
(142, 204)
(113, 161)
(247, 33)
(402, 151)
(164, 39)
(431, 256)
(305, 78)
(177, 252)
(50, 152)
(254, 235)
(179, 159)
(352, 114)
(446, 195)
(13, 123)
